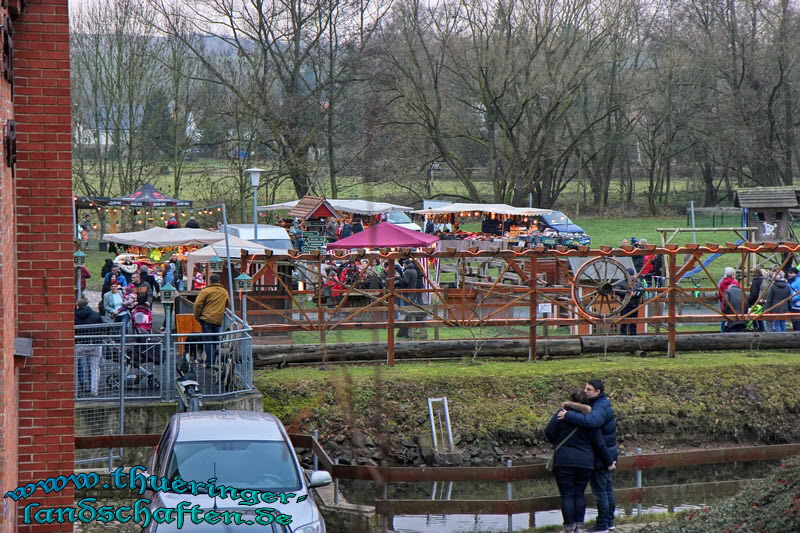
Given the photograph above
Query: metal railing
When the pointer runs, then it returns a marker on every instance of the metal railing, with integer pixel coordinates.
(114, 365)
(508, 474)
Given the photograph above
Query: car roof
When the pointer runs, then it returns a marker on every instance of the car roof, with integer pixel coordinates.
(227, 425)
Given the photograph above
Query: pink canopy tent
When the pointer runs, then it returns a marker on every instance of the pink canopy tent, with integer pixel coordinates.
(384, 235)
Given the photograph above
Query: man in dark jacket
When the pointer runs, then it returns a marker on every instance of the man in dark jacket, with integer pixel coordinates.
(735, 303)
(144, 293)
(631, 309)
(346, 230)
(602, 416)
(87, 356)
(777, 301)
(407, 281)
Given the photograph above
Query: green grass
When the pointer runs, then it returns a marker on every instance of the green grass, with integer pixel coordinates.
(418, 372)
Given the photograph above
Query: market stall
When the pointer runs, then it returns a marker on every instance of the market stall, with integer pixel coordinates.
(234, 250)
(155, 246)
(385, 235)
(501, 226)
(144, 203)
(164, 238)
(369, 212)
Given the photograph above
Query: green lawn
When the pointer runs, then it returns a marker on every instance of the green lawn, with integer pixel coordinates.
(419, 372)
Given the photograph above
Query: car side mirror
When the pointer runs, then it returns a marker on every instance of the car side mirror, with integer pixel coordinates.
(319, 478)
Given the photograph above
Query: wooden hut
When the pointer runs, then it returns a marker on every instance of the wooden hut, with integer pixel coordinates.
(768, 209)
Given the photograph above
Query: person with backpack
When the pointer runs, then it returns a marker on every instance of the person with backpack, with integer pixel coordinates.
(735, 303)
(728, 279)
(574, 458)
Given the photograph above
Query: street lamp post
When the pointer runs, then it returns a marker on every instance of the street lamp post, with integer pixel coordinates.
(168, 293)
(78, 260)
(244, 283)
(255, 177)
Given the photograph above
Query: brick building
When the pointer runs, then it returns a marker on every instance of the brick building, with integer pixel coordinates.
(36, 282)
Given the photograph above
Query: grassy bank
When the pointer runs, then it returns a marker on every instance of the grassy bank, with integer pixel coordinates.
(693, 400)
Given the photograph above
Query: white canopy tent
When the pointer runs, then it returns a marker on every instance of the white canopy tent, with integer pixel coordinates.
(163, 237)
(236, 245)
(498, 209)
(360, 207)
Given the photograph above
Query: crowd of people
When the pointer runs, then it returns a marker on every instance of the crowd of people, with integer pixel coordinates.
(773, 291)
(128, 286)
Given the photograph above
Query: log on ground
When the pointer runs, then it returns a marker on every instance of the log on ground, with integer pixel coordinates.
(264, 355)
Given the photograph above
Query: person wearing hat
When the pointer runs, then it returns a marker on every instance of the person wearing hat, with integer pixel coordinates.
(193, 223)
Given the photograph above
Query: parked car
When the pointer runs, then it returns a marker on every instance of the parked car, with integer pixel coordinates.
(239, 449)
(273, 237)
(398, 218)
(569, 233)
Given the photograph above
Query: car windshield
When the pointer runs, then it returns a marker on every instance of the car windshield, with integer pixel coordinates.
(263, 465)
(558, 218)
(398, 217)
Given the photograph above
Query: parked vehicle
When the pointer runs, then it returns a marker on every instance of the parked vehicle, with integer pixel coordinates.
(238, 449)
(273, 237)
(399, 218)
(563, 230)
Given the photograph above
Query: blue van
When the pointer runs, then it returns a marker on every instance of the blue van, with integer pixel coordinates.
(569, 233)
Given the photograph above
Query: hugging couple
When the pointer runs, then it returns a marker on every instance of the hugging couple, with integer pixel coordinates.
(584, 437)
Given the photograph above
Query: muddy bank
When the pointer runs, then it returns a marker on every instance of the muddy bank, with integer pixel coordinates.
(379, 416)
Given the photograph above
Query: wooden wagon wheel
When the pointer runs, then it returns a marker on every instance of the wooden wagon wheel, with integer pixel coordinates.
(600, 281)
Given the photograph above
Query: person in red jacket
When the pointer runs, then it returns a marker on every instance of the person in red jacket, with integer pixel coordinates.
(729, 279)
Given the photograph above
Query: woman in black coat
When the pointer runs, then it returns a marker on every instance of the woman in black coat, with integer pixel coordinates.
(574, 461)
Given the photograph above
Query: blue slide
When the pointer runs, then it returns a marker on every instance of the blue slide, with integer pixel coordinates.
(705, 263)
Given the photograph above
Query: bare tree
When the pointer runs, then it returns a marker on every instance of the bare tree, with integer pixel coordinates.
(115, 81)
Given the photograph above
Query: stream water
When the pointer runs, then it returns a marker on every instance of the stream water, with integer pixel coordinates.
(678, 500)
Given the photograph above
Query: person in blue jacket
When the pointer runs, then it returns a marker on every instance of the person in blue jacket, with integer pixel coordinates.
(602, 418)
(576, 451)
(793, 279)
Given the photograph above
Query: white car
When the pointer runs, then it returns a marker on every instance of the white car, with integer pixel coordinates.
(398, 218)
(203, 455)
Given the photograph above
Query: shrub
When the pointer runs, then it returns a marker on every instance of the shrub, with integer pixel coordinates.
(771, 505)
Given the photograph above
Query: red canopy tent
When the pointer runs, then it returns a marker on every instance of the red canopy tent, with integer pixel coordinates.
(384, 235)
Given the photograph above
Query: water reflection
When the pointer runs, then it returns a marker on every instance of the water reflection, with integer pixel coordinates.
(365, 492)
(486, 523)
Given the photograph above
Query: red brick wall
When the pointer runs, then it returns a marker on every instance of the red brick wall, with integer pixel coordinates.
(43, 187)
(8, 318)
